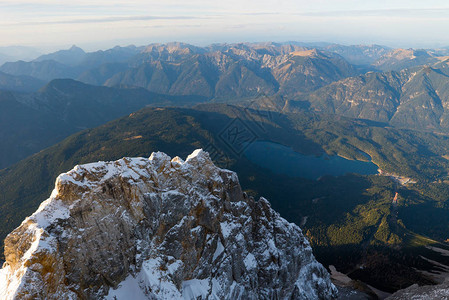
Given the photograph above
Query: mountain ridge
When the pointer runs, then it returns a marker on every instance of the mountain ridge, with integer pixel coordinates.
(164, 68)
(411, 98)
(179, 229)
(34, 121)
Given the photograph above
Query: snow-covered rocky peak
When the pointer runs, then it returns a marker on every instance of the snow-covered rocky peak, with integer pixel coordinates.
(158, 228)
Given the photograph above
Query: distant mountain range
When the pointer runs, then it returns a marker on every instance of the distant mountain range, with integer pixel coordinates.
(20, 83)
(401, 87)
(399, 59)
(14, 53)
(69, 63)
(413, 98)
(218, 71)
(276, 77)
(360, 54)
(33, 121)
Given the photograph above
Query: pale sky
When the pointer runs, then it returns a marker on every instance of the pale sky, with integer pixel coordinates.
(102, 24)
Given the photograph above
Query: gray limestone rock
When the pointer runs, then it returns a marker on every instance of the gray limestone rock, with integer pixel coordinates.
(158, 228)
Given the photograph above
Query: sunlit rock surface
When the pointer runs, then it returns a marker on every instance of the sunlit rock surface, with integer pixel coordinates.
(158, 228)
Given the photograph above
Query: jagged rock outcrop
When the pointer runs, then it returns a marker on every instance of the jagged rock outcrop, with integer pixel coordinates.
(158, 228)
(426, 292)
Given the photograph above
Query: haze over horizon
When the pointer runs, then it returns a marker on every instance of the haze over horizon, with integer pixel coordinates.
(99, 24)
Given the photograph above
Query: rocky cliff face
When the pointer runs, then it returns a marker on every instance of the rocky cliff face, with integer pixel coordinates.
(417, 99)
(415, 292)
(158, 228)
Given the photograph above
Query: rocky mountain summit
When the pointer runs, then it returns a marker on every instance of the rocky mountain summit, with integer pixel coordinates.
(158, 228)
